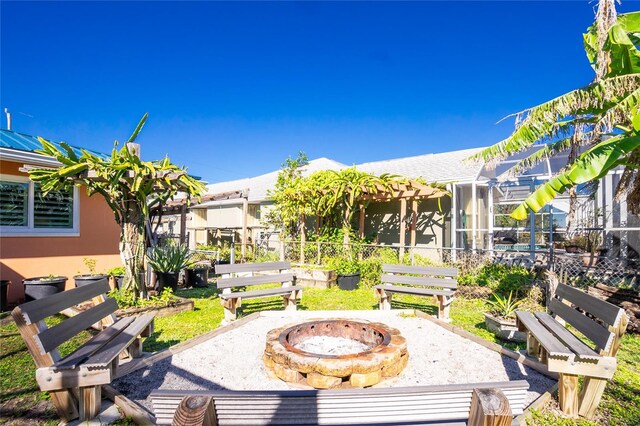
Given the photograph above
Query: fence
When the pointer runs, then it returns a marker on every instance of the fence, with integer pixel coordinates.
(577, 268)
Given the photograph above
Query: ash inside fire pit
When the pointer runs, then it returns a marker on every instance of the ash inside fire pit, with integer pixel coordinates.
(336, 353)
(329, 345)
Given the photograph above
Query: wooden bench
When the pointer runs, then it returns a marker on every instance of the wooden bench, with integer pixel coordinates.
(448, 404)
(419, 281)
(248, 274)
(74, 382)
(564, 352)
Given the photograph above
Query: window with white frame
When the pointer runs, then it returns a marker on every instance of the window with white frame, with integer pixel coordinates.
(25, 210)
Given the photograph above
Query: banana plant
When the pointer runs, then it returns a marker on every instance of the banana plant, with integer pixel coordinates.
(130, 186)
(602, 116)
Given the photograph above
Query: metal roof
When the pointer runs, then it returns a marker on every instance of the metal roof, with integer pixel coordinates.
(27, 143)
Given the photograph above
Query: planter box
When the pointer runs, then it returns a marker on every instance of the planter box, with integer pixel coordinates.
(505, 330)
(316, 278)
(181, 305)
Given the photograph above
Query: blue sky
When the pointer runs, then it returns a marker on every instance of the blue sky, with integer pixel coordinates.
(232, 89)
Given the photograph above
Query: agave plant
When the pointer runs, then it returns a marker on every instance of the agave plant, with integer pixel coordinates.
(172, 258)
(502, 306)
(599, 124)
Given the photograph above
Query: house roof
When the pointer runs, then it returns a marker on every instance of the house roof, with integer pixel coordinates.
(259, 185)
(22, 147)
(442, 167)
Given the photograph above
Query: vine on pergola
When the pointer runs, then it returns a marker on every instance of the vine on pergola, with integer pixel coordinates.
(130, 186)
(326, 193)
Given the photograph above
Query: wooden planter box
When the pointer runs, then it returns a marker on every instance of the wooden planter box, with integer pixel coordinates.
(316, 278)
(181, 305)
(504, 329)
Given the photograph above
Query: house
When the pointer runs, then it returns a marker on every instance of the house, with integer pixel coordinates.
(52, 235)
(474, 216)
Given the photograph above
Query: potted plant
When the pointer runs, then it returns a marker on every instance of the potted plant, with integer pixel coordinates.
(167, 262)
(4, 287)
(500, 319)
(348, 271)
(197, 274)
(40, 287)
(117, 275)
(91, 277)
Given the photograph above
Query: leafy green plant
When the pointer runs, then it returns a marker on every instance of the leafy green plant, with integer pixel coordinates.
(343, 266)
(126, 298)
(117, 271)
(169, 258)
(603, 116)
(502, 306)
(131, 187)
(90, 263)
(499, 277)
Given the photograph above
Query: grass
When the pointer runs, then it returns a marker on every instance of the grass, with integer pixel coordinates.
(22, 403)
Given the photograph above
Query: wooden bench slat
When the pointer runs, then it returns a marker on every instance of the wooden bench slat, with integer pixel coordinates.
(112, 349)
(249, 281)
(37, 310)
(278, 291)
(552, 345)
(420, 270)
(426, 404)
(585, 325)
(340, 394)
(568, 338)
(53, 337)
(413, 290)
(252, 267)
(605, 311)
(77, 357)
(422, 281)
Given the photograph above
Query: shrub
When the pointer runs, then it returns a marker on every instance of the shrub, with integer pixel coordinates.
(499, 277)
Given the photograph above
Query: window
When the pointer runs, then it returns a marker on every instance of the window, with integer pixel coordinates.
(26, 211)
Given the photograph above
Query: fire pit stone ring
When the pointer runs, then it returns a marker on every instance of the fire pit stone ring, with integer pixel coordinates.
(335, 353)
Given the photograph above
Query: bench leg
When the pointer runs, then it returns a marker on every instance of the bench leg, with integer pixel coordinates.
(533, 346)
(592, 390)
(90, 399)
(66, 404)
(230, 306)
(443, 308)
(385, 300)
(568, 394)
(135, 348)
(289, 302)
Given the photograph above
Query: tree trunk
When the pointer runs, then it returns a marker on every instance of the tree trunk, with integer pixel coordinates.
(132, 249)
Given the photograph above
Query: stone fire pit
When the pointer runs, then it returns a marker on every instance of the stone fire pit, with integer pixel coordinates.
(336, 353)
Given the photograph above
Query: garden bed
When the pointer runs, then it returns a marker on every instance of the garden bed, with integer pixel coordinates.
(181, 305)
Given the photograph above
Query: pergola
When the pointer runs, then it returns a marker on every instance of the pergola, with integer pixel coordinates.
(411, 191)
(180, 207)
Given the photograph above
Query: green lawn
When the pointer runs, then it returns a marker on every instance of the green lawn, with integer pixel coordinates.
(22, 403)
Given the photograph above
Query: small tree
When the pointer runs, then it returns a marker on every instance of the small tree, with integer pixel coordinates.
(290, 197)
(130, 186)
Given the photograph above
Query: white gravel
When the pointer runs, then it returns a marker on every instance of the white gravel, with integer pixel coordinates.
(233, 360)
